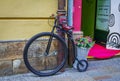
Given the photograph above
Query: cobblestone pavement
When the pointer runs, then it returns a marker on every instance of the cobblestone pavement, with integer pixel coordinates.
(98, 70)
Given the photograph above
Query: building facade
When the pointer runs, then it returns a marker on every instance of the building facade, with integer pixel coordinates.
(20, 20)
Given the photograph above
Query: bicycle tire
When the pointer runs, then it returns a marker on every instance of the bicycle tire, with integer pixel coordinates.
(33, 55)
(82, 65)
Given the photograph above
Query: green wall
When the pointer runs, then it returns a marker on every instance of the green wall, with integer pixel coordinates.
(88, 17)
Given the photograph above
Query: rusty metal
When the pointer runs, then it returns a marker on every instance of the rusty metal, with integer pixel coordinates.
(61, 13)
(61, 4)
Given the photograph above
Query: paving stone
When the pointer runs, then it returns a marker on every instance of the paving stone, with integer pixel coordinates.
(102, 77)
(102, 72)
(11, 50)
(114, 77)
(19, 66)
(6, 67)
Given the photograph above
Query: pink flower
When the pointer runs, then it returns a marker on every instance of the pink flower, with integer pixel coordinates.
(85, 42)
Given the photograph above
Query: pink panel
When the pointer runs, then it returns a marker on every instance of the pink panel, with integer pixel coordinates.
(77, 15)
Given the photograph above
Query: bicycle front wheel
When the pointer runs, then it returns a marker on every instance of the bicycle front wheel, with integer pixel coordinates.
(45, 54)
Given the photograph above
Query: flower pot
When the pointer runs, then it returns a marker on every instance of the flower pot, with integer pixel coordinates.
(82, 54)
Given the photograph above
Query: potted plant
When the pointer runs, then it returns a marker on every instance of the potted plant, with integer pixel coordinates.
(83, 44)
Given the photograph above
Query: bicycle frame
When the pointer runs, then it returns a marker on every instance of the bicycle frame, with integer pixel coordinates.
(68, 31)
(64, 28)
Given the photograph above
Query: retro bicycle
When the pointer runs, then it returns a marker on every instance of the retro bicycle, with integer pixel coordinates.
(46, 53)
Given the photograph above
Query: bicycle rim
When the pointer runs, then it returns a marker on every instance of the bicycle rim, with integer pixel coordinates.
(82, 66)
(36, 59)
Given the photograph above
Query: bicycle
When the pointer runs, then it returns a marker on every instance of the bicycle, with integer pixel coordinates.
(42, 51)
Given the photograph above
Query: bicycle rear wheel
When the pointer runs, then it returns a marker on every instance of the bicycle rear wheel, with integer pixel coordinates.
(43, 63)
(82, 65)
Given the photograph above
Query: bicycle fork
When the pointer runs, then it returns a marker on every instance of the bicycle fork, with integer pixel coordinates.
(74, 51)
(48, 46)
(49, 42)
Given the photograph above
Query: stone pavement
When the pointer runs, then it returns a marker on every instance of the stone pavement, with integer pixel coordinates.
(98, 70)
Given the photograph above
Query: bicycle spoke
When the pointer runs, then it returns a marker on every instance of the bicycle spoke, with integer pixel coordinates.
(45, 62)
